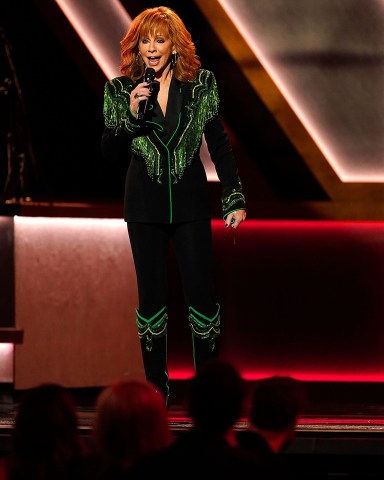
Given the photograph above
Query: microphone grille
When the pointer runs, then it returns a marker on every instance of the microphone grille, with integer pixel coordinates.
(149, 75)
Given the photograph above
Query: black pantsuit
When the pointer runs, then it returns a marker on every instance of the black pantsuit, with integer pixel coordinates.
(166, 203)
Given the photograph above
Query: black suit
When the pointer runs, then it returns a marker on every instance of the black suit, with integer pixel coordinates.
(166, 181)
(166, 200)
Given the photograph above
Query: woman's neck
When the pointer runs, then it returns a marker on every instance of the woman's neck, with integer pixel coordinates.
(165, 76)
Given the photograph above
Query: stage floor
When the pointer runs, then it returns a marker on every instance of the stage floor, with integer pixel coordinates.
(341, 421)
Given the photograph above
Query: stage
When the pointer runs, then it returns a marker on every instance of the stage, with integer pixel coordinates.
(309, 310)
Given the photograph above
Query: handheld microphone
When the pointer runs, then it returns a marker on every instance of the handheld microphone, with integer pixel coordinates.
(149, 77)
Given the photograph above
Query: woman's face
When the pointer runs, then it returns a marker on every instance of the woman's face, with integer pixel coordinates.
(156, 51)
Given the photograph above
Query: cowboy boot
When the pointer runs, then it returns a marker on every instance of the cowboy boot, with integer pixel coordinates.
(153, 341)
(205, 333)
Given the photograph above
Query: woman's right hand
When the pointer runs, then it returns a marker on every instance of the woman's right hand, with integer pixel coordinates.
(139, 93)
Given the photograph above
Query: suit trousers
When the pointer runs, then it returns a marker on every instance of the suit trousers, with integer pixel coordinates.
(192, 245)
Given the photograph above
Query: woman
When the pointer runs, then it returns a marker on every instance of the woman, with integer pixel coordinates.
(160, 124)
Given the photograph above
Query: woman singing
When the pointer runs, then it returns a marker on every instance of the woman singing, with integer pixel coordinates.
(156, 114)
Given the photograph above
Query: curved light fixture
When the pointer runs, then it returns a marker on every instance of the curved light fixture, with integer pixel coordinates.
(326, 60)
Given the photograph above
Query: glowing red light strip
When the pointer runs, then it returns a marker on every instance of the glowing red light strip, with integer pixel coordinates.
(325, 376)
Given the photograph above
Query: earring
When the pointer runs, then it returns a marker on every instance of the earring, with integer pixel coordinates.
(138, 58)
(174, 58)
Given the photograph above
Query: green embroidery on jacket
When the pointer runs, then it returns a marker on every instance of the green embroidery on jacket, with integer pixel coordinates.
(116, 108)
(203, 107)
(144, 147)
(233, 199)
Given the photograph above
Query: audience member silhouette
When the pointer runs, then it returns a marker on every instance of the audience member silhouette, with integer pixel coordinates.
(46, 444)
(214, 402)
(274, 408)
(131, 421)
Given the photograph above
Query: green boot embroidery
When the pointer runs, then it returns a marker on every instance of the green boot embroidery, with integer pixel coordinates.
(151, 328)
(205, 332)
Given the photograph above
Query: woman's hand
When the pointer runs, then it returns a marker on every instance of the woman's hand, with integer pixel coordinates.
(235, 218)
(141, 92)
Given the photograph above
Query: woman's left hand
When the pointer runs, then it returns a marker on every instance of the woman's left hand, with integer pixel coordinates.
(235, 218)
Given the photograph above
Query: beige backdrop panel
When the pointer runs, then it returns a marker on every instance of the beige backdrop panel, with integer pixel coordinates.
(75, 295)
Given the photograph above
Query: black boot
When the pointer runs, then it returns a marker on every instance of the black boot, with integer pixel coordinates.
(153, 340)
(205, 333)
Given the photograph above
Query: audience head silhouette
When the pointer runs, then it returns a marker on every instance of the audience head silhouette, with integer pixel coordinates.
(131, 421)
(216, 396)
(214, 402)
(46, 442)
(276, 404)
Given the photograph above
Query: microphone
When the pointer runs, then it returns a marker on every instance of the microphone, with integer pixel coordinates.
(149, 77)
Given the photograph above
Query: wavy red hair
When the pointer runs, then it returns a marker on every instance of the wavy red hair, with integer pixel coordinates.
(159, 21)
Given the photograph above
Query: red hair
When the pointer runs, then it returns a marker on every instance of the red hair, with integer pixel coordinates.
(159, 21)
(131, 421)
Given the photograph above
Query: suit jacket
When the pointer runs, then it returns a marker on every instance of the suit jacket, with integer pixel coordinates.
(166, 180)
